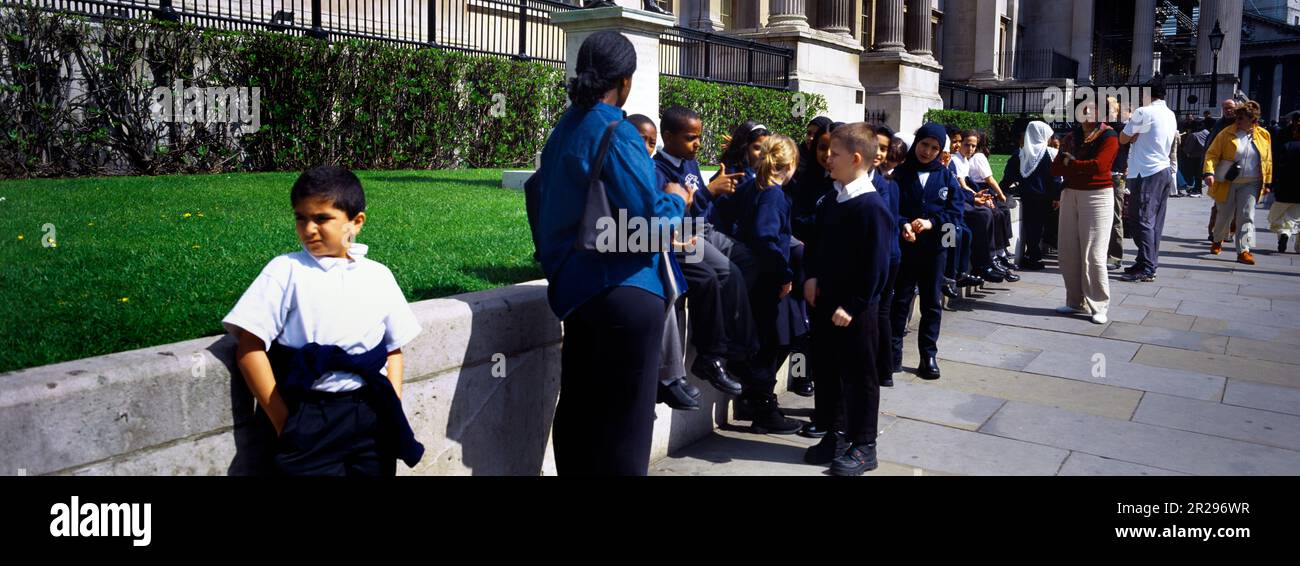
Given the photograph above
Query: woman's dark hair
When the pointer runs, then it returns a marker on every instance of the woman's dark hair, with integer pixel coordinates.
(741, 136)
(604, 60)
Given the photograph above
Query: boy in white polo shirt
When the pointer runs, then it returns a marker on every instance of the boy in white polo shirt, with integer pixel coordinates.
(320, 335)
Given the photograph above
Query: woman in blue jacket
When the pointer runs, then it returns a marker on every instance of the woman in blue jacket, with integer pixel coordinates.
(612, 304)
(929, 210)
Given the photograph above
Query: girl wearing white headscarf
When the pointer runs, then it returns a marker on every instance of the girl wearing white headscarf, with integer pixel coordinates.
(1030, 169)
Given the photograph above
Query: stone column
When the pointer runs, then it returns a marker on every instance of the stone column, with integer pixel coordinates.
(835, 16)
(919, 41)
(1081, 39)
(889, 26)
(987, 24)
(1228, 14)
(1276, 111)
(1144, 21)
(787, 13)
(640, 27)
(704, 15)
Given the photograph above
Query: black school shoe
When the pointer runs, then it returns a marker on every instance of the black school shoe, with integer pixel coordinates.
(801, 386)
(1281, 243)
(676, 397)
(831, 447)
(692, 391)
(766, 417)
(714, 372)
(887, 382)
(860, 459)
(812, 430)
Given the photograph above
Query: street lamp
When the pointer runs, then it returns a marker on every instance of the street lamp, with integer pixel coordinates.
(1216, 43)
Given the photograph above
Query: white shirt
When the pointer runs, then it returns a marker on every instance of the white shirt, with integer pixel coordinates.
(1247, 155)
(1150, 152)
(960, 166)
(354, 303)
(859, 186)
(923, 176)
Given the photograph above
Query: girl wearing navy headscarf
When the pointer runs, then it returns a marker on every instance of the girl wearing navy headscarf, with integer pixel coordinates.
(929, 209)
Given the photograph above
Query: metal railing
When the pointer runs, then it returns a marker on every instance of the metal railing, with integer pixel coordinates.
(514, 28)
(970, 99)
(695, 54)
(1043, 64)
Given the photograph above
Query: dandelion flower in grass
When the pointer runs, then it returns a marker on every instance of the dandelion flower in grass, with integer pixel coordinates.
(195, 246)
(186, 215)
(124, 300)
(20, 236)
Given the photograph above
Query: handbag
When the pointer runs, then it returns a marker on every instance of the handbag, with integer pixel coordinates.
(597, 205)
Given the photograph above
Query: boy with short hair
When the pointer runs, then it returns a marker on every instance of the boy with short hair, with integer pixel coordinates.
(320, 334)
(848, 272)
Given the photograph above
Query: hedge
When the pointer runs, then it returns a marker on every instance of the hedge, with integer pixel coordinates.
(722, 107)
(365, 105)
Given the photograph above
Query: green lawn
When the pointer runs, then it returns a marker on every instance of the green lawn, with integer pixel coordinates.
(142, 261)
(999, 164)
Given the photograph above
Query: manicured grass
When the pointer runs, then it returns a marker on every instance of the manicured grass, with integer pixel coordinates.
(142, 261)
(999, 164)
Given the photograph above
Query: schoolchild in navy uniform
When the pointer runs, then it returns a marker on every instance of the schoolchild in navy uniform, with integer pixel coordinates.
(1030, 170)
(928, 200)
(888, 190)
(718, 271)
(764, 225)
(320, 334)
(808, 233)
(741, 154)
(674, 389)
(849, 270)
(992, 232)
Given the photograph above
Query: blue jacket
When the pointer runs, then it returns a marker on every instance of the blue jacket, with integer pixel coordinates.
(577, 276)
(939, 201)
(764, 225)
(687, 174)
(725, 213)
(888, 190)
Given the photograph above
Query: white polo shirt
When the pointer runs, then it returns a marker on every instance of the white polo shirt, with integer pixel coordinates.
(1156, 126)
(354, 303)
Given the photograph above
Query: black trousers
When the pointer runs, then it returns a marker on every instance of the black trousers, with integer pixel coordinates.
(334, 434)
(847, 371)
(885, 329)
(980, 219)
(1001, 226)
(920, 273)
(609, 372)
(1034, 213)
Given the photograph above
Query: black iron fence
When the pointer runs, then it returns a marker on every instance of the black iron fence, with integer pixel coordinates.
(694, 54)
(1043, 64)
(970, 99)
(515, 28)
(1185, 98)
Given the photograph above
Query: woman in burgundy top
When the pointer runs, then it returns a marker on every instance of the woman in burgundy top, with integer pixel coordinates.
(1087, 211)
